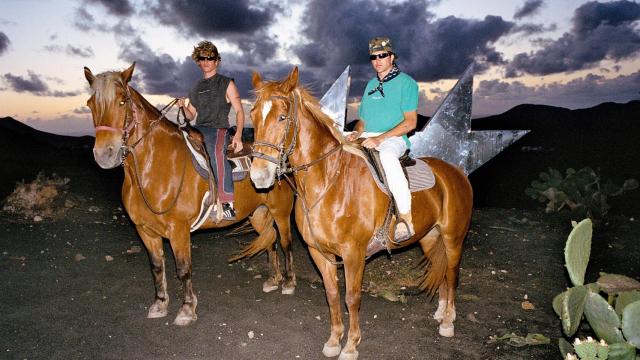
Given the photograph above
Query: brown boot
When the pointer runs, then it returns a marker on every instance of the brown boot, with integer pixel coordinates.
(404, 228)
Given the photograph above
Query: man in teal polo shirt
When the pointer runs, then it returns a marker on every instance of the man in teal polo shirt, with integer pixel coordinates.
(388, 112)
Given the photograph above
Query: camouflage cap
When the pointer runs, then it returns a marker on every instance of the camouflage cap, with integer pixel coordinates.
(381, 43)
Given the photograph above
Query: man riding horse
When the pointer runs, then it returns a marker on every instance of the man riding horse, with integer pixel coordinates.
(388, 112)
(210, 101)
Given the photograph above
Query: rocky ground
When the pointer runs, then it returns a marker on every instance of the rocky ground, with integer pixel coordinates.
(78, 287)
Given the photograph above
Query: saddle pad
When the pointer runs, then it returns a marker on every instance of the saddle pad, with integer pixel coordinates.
(420, 176)
(200, 163)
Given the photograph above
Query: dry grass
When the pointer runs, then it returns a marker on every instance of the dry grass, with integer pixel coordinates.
(40, 199)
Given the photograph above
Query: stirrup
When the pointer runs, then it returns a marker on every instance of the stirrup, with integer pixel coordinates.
(403, 235)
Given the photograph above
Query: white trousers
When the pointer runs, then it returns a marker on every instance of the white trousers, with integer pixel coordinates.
(390, 150)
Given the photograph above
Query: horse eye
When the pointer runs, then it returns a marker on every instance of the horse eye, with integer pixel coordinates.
(282, 117)
(122, 103)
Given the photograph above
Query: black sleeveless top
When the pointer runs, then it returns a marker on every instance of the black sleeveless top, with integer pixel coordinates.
(209, 98)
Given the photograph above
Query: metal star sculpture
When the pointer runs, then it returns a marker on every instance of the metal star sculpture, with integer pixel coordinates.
(334, 101)
(448, 135)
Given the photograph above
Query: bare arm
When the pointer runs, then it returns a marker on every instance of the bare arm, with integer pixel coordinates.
(357, 131)
(233, 96)
(189, 110)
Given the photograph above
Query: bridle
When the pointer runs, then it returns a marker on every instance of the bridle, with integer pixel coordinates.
(131, 122)
(282, 161)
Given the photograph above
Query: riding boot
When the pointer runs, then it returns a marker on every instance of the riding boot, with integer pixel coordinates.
(404, 228)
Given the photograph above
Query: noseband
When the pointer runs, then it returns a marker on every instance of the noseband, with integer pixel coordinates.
(283, 154)
(131, 123)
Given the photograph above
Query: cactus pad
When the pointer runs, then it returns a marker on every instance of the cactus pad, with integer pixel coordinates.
(631, 323)
(572, 308)
(614, 283)
(603, 319)
(578, 250)
(624, 299)
(622, 351)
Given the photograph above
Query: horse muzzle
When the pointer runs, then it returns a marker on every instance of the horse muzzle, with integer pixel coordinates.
(109, 156)
(263, 173)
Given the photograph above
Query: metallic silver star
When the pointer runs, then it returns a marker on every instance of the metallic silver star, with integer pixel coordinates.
(448, 134)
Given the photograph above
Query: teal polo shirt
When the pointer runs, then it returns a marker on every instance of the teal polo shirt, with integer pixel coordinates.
(380, 113)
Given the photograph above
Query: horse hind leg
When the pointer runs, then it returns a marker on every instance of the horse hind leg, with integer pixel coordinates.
(453, 244)
(262, 221)
(284, 229)
(436, 277)
(154, 246)
(181, 244)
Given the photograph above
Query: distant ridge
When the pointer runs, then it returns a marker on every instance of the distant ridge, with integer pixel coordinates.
(11, 127)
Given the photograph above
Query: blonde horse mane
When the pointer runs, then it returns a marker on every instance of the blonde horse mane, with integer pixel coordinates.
(307, 102)
(104, 88)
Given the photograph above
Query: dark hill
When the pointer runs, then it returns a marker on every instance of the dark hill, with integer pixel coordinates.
(603, 137)
(25, 151)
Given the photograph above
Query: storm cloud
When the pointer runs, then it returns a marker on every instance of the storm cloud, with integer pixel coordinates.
(115, 7)
(4, 43)
(529, 8)
(34, 85)
(79, 51)
(428, 48)
(600, 31)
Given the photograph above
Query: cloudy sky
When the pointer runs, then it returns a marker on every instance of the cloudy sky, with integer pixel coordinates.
(568, 53)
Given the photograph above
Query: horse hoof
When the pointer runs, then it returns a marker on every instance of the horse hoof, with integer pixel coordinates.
(348, 356)
(158, 310)
(270, 285)
(186, 316)
(269, 288)
(331, 351)
(184, 320)
(446, 330)
(288, 290)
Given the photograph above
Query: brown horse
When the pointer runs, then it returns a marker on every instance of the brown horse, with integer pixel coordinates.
(162, 192)
(339, 207)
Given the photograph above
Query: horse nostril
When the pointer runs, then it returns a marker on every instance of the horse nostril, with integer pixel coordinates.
(110, 151)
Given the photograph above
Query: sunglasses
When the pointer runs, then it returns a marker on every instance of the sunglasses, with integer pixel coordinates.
(379, 56)
(210, 58)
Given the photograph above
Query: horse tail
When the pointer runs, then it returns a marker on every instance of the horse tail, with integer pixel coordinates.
(262, 221)
(434, 263)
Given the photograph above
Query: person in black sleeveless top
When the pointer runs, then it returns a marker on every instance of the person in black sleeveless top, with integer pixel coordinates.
(210, 101)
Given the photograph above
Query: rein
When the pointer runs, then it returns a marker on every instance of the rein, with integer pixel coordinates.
(283, 160)
(130, 124)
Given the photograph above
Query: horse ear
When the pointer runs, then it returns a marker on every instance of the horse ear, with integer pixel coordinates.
(256, 79)
(292, 80)
(127, 74)
(89, 75)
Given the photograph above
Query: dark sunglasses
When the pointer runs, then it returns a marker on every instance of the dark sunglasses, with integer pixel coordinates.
(379, 56)
(210, 58)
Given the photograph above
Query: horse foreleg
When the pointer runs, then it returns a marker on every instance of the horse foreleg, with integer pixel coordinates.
(284, 229)
(181, 244)
(330, 279)
(153, 243)
(353, 271)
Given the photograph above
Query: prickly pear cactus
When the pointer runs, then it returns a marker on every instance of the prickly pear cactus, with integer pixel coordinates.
(631, 323)
(603, 319)
(578, 250)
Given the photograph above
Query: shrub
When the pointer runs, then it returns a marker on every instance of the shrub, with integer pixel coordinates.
(580, 192)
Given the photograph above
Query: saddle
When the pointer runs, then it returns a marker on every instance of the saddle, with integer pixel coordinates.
(418, 174)
(240, 164)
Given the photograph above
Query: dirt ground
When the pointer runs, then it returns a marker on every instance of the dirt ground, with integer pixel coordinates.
(78, 288)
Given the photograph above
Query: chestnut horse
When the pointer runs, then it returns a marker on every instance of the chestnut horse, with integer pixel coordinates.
(162, 192)
(339, 206)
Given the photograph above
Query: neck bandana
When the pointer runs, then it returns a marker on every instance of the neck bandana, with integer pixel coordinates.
(392, 74)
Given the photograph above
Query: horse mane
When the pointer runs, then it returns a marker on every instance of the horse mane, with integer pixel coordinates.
(307, 102)
(104, 89)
